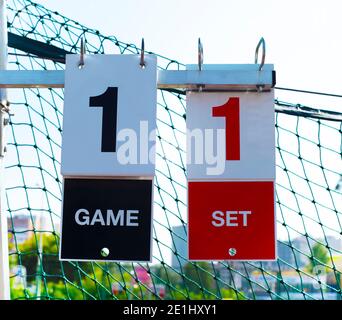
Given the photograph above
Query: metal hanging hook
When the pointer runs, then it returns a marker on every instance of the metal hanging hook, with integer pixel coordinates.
(200, 54)
(261, 42)
(142, 54)
(81, 63)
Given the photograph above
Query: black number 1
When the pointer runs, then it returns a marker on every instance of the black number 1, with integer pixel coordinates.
(109, 102)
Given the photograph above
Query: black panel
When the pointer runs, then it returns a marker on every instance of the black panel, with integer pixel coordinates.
(125, 243)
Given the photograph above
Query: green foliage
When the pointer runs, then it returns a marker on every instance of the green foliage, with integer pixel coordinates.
(320, 257)
(181, 294)
(87, 281)
(54, 269)
(164, 275)
(229, 294)
(60, 290)
(197, 276)
(18, 292)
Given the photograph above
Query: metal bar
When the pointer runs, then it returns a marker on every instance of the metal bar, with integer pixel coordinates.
(215, 79)
(36, 48)
(4, 260)
(219, 80)
(303, 111)
(311, 92)
(31, 79)
(168, 80)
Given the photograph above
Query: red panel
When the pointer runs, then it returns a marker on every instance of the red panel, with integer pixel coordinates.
(231, 201)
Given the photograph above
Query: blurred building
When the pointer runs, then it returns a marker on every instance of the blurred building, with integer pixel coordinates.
(235, 274)
(179, 247)
(292, 254)
(334, 243)
(20, 226)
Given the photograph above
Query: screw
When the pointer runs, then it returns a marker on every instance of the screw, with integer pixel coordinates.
(104, 252)
(260, 88)
(6, 121)
(232, 252)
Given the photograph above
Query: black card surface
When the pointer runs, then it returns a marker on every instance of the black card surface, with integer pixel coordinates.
(106, 219)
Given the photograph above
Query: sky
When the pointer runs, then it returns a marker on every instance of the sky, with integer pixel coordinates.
(302, 37)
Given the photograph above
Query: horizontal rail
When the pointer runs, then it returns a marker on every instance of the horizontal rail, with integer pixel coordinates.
(306, 112)
(31, 79)
(207, 80)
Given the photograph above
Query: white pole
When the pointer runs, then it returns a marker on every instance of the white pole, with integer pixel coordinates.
(4, 261)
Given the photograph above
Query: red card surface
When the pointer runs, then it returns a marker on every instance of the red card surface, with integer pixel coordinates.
(231, 220)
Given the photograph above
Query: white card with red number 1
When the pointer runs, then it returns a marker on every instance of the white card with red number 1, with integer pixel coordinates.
(231, 173)
(237, 136)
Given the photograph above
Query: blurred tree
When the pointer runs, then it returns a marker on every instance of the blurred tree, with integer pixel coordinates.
(54, 269)
(320, 257)
(198, 276)
(167, 277)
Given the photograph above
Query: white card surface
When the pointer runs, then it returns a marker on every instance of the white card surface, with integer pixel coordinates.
(256, 137)
(85, 128)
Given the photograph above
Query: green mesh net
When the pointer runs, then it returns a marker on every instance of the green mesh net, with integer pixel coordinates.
(308, 158)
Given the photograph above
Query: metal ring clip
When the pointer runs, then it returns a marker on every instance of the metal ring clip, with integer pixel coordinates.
(81, 63)
(200, 55)
(142, 54)
(261, 42)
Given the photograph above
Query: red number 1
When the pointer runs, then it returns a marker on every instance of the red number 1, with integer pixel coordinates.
(231, 111)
